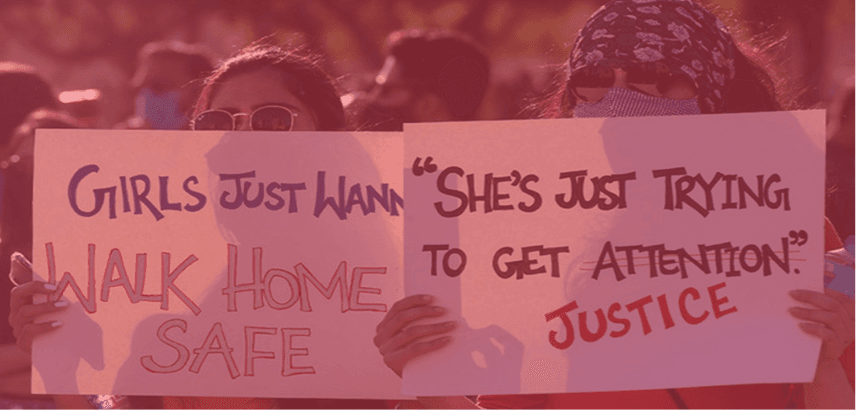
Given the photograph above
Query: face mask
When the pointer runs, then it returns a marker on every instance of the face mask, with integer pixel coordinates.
(621, 102)
(160, 110)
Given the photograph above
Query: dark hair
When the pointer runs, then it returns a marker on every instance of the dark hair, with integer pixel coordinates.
(448, 63)
(41, 118)
(303, 75)
(22, 91)
(16, 220)
(757, 85)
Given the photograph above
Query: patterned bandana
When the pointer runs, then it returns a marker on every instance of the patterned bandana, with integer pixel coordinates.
(679, 33)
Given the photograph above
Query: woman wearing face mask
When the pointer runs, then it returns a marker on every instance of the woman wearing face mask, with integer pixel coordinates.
(164, 85)
(648, 58)
(263, 88)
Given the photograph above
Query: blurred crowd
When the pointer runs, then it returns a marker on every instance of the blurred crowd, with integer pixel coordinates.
(427, 75)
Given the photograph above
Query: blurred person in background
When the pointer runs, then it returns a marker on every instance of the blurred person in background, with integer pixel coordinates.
(83, 105)
(163, 86)
(647, 58)
(839, 264)
(16, 235)
(22, 91)
(428, 75)
(840, 161)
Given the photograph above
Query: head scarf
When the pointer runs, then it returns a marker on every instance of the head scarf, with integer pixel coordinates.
(679, 33)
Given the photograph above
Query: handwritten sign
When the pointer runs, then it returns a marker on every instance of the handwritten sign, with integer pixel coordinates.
(218, 264)
(615, 254)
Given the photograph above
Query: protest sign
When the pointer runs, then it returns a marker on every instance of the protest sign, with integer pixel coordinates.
(615, 254)
(217, 264)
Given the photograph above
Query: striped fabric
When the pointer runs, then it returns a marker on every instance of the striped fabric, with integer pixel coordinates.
(621, 102)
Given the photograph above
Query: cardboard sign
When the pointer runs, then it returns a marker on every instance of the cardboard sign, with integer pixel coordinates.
(615, 254)
(218, 264)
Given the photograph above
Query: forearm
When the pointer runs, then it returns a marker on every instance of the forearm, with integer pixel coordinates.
(830, 388)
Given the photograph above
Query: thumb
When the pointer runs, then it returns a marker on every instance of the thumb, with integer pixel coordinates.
(21, 271)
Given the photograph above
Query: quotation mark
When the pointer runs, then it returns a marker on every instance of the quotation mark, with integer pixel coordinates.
(418, 170)
(798, 238)
(516, 178)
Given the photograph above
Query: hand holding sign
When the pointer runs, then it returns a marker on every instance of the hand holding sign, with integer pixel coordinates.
(25, 312)
(632, 249)
(241, 297)
(830, 318)
(402, 335)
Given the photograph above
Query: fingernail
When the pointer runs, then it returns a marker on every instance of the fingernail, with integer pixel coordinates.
(426, 298)
(50, 286)
(60, 304)
(438, 309)
(56, 323)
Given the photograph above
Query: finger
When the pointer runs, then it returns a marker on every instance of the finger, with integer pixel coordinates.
(824, 333)
(395, 323)
(843, 299)
(816, 299)
(21, 270)
(403, 304)
(30, 331)
(831, 320)
(416, 334)
(407, 303)
(27, 313)
(398, 359)
(21, 295)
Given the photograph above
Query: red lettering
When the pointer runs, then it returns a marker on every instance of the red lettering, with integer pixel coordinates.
(169, 277)
(357, 288)
(664, 310)
(717, 302)
(252, 354)
(232, 287)
(718, 305)
(569, 327)
(339, 279)
(293, 287)
(115, 263)
(626, 323)
(640, 306)
(215, 337)
(289, 351)
(585, 333)
(682, 304)
(183, 354)
(68, 280)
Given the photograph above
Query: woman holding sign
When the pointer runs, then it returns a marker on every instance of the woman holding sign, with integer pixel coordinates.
(263, 88)
(648, 58)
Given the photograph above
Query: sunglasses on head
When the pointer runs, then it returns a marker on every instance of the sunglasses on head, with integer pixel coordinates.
(591, 83)
(267, 118)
